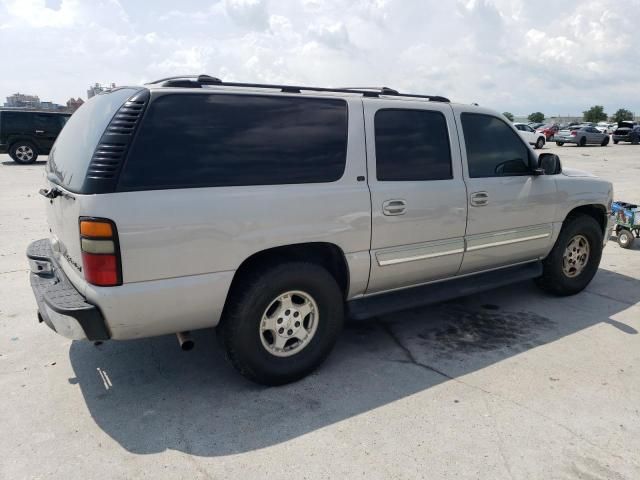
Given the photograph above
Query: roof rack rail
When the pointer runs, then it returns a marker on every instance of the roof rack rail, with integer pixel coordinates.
(197, 81)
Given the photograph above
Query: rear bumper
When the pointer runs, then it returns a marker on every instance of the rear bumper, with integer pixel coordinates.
(565, 139)
(60, 305)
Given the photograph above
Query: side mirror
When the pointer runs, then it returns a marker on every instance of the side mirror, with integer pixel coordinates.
(549, 163)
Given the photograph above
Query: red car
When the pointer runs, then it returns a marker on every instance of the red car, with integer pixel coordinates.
(549, 130)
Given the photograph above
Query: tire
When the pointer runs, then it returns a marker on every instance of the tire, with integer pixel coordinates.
(555, 278)
(582, 142)
(23, 153)
(625, 238)
(252, 350)
(540, 143)
(635, 140)
(615, 142)
(605, 142)
(559, 144)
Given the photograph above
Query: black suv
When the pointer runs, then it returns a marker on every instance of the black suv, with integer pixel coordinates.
(25, 135)
(627, 132)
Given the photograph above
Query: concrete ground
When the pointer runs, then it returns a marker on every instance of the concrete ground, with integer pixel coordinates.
(509, 384)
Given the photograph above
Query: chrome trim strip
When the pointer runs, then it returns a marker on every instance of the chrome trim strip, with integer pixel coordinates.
(413, 258)
(508, 242)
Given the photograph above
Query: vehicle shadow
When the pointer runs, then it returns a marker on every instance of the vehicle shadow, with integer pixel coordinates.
(11, 163)
(149, 396)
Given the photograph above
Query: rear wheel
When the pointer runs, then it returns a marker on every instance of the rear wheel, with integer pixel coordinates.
(582, 142)
(23, 152)
(575, 257)
(282, 322)
(625, 238)
(540, 143)
(559, 144)
(605, 142)
(615, 142)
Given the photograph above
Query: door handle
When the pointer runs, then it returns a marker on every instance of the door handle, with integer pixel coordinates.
(479, 199)
(39, 131)
(394, 207)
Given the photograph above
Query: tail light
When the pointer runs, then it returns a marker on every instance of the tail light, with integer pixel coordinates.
(100, 252)
(573, 133)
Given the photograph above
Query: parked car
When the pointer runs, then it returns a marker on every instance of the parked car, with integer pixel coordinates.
(532, 137)
(581, 136)
(24, 135)
(627, 132)
(535, 125)
(270, 212)
(605, 127)
(548, 130)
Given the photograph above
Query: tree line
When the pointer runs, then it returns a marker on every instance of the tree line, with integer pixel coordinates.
(594, 114)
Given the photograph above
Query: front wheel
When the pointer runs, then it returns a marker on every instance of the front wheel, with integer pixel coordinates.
(282, 322)
(23, 152)
(575, 257)
(625, 238)
(615, 142)
(559, 144)
(540, 143)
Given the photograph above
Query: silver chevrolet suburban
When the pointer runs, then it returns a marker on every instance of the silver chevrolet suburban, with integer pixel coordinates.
(273, 211)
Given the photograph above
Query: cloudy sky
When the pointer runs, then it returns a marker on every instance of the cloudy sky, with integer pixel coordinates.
(516, 55)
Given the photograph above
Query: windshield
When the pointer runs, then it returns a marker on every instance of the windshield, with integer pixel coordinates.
(72, 152)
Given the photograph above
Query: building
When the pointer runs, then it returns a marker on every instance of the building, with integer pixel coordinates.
(73, 104)
(20, 100)
(97, 88)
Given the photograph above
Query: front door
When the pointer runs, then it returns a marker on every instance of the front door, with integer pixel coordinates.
(417, 192)
(47, 128)
(511, 211)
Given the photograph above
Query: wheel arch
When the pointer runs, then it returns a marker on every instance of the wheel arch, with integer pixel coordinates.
(596, 211)
(325, 254)
(12, 142)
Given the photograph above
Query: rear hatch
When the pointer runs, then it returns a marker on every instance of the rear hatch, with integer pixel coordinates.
(68, 181)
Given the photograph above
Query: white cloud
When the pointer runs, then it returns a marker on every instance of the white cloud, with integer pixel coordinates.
(515, 55)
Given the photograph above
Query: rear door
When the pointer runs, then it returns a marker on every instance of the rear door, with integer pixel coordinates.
(511, 211)
(418, 195)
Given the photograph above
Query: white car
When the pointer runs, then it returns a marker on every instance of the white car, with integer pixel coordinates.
(537, 139)
(604, 127)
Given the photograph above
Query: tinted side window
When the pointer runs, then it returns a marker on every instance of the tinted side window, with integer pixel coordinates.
(493, 149)
(17, 122)
(49, 123)
(412, 145)
(195, 140)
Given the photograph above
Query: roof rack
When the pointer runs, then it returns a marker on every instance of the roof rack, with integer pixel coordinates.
(197, 81)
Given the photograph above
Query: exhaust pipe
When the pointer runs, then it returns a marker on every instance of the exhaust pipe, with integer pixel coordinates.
(185, 341)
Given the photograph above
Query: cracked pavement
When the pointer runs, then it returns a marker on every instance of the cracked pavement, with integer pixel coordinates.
(508, 384)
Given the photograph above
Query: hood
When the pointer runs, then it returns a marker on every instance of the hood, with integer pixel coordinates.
(625, 124)
(572, 172)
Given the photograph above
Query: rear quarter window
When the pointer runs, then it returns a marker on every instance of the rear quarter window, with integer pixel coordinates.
(209, 140)
(71, 154)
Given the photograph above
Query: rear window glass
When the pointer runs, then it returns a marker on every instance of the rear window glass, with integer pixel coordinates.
(195, 140)
(72, 152)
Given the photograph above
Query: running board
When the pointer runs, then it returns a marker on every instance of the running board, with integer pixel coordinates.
(384, 303)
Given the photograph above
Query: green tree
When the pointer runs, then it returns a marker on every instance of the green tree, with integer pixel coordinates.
(509, 115)
(595, 114)
(536, 117)
(621, 115)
